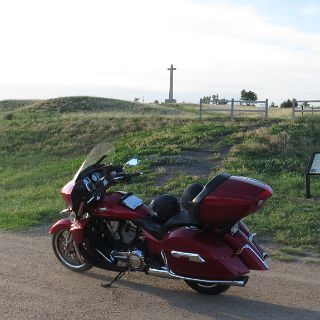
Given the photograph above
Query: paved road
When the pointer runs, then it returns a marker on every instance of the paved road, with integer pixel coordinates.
(33, 285)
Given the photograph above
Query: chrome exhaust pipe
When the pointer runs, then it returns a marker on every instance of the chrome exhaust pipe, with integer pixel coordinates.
(165, 273)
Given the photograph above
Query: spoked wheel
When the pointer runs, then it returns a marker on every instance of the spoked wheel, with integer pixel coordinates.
(66, 253)
(206, 288)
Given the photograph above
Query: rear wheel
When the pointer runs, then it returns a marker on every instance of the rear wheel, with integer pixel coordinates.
(206, 288)
(66, 253)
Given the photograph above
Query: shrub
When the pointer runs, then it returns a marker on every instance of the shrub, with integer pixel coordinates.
(9, 116)
(287, 104)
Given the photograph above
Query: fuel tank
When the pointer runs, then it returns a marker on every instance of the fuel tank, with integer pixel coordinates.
(230, 199)
(194, 253)
(112, 207)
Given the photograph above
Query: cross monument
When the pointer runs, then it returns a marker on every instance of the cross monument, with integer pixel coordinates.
(171, 100)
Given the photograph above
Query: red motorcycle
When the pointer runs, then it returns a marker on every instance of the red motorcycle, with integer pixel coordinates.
(200, 239)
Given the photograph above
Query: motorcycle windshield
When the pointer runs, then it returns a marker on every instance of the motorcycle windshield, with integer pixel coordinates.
(102, 153)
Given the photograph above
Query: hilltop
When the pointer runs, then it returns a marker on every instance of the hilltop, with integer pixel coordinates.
(8, 105)
(87, 104)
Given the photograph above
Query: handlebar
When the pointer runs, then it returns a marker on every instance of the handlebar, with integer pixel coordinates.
(126, 176)
(97, 189)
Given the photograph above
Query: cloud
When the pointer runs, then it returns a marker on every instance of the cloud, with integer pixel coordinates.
(310, 9)
(216, 46)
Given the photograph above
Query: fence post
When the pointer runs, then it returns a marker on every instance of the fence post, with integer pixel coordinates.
(302, 109)
(232, 109)
(267, 109)
(312, 110)
(200, 109)
(293, 106)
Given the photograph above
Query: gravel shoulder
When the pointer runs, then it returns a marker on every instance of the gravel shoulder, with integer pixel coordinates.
(34, 285)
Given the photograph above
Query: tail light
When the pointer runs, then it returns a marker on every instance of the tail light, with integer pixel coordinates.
(264, 194)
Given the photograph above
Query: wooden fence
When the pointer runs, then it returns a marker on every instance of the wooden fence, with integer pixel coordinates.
(235, 108)
(302, 108)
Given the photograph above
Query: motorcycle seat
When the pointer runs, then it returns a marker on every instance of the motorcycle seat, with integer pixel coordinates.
(188, 216)
(158, 230)
(188, 195)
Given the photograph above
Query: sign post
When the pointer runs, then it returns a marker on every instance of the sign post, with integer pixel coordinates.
(313, 169)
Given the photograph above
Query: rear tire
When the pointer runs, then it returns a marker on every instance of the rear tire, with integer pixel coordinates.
(205, 288)
(68, 256)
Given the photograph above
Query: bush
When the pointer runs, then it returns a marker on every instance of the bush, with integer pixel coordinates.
(287, 104)
(9, 116)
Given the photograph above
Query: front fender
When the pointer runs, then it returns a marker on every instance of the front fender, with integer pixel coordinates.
(63, 224)
(77, 229)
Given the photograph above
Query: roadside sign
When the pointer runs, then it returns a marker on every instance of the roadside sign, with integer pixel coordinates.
(313, 169)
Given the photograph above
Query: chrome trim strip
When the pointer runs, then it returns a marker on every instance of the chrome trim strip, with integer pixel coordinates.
(247, 246)
(162, 273)
(103, 256)
(65, 211)
(192, 228)
(164, 258)
(191, 256)
(235, 228)
(166, 273)
(251, 236)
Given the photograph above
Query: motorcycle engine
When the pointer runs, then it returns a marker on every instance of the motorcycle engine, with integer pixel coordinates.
(122, 231)
(124, 238)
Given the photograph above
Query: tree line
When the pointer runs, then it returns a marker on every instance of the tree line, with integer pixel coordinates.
(247, 96)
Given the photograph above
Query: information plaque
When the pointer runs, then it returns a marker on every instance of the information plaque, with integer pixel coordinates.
(313, 169)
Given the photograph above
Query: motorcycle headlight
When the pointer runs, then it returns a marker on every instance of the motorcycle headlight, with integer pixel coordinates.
(234, 229)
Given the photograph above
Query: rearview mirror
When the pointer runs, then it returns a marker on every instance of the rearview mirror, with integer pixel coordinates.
(132, 162)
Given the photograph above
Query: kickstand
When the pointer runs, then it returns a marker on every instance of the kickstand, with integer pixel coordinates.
(108, 285)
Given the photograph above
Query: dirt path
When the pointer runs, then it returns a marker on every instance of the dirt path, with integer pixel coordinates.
(33, 285)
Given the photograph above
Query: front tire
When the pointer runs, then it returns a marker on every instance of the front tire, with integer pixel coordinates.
(66, 253)
(205, 288)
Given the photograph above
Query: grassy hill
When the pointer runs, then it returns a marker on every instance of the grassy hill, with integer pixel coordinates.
(42, 146)
(90, 104)
(9, 105)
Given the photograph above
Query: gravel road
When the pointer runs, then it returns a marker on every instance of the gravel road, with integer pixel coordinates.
(34, 285)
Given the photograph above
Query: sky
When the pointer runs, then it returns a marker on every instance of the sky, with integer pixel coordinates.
(122, 49)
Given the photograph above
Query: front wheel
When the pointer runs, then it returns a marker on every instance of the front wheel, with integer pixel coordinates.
(205, 288)
(65, 251)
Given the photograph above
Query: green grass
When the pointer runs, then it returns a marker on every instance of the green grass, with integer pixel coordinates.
(312, 261)
(8, 105)
(300, 252)
(282, 257)
(95, 104)
(41, 148)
